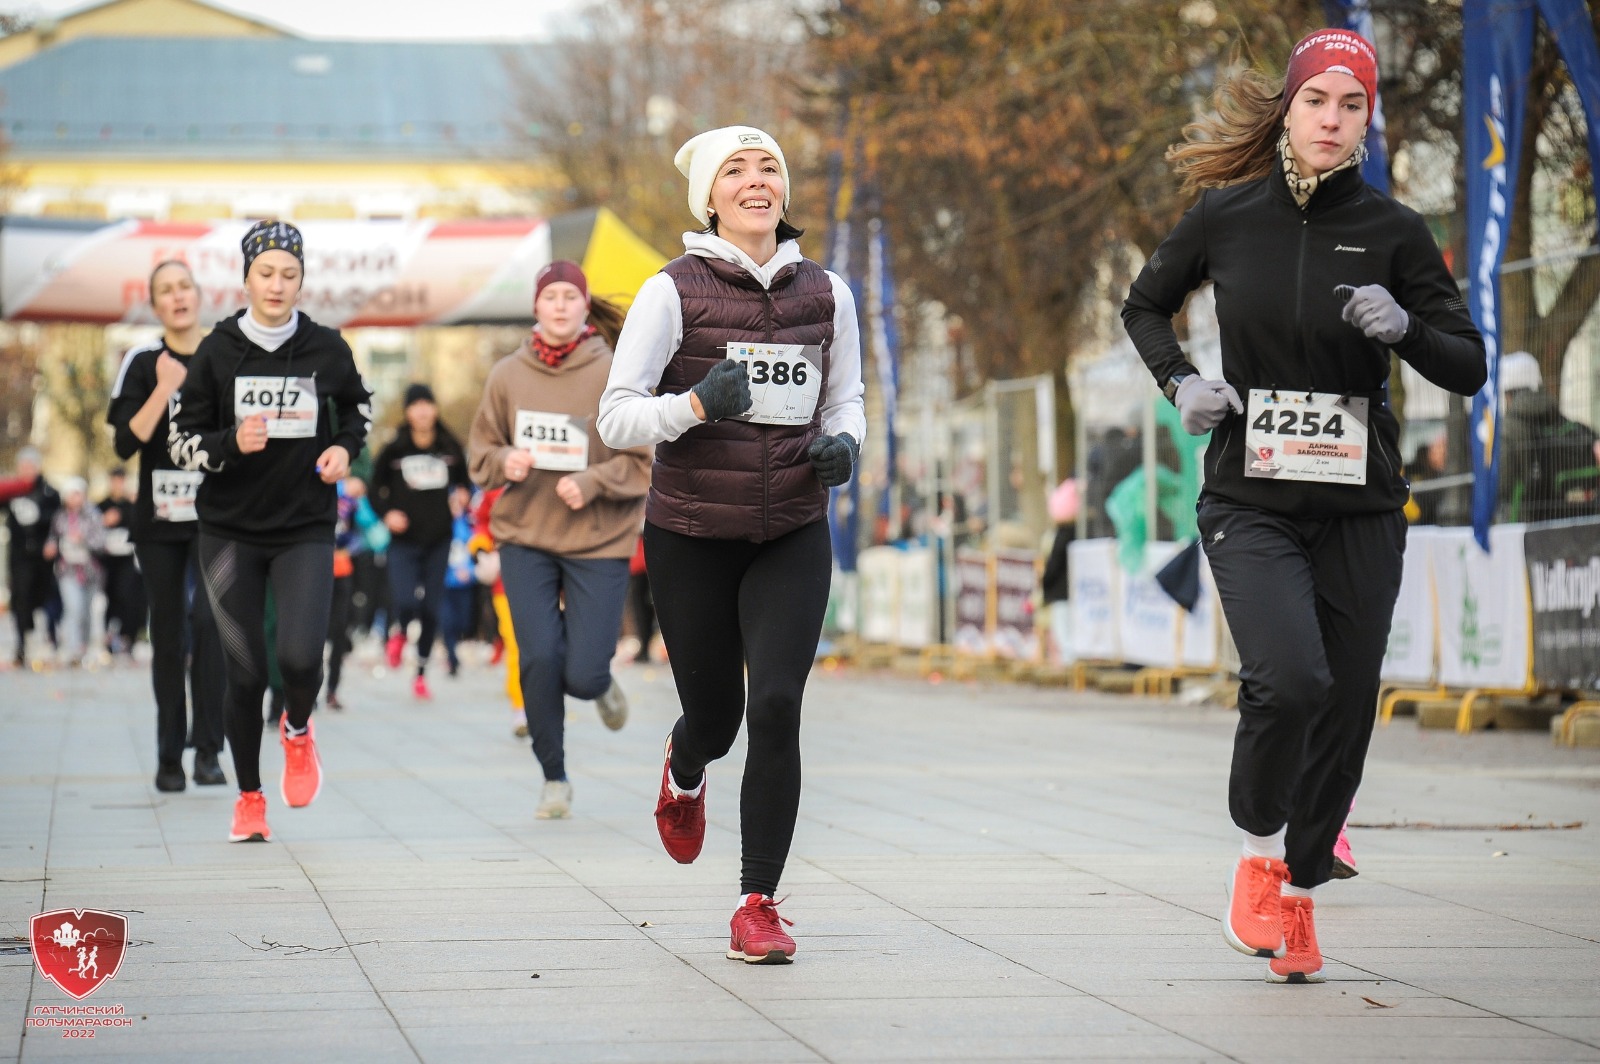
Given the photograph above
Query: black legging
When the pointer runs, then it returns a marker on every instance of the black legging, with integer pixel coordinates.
(236, 577)
(344, 588)
(181, 624)
(725, 607)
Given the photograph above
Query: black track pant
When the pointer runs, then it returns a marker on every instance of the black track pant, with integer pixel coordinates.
(416, 586)
(182, 628)
(727, 606)
(1309, 603)
(236, 577)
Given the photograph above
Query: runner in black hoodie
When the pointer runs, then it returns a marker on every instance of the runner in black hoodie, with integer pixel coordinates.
(411, 483)
(1301, 512)
(273, 411)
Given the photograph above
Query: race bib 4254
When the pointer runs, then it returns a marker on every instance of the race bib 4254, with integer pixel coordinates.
(1316, 436)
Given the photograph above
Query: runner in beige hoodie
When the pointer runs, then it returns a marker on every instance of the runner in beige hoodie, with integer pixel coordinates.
(570, 515)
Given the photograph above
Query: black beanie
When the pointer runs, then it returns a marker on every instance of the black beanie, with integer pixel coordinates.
(419, 393)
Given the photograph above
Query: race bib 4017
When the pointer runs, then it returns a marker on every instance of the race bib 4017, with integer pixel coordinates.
(288, 403)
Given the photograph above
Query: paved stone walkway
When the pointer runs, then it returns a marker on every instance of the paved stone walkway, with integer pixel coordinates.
(980, 873)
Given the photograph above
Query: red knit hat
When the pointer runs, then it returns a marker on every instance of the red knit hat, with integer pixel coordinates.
(1330, 49)
(561, 270)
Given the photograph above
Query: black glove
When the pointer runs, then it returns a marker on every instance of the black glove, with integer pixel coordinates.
(725, 391)
(834, 457)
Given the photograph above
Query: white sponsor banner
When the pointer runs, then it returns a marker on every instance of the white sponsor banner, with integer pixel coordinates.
(1413, 633)
(1483, 608)
(919, 598)
(1095, 580)
(879, 570)
(1147, 621)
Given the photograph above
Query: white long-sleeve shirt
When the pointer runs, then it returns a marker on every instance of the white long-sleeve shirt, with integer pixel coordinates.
(632, 415)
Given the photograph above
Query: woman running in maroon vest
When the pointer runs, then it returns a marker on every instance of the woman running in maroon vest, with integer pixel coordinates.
(741, 361)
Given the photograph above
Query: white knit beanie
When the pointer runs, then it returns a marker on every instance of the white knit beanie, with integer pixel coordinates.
(703, 155)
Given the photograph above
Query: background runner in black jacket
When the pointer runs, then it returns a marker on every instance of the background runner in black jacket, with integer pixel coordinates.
(1301, 511)
(273, 411)
(29, 576)
(411, 483)
(165, 532)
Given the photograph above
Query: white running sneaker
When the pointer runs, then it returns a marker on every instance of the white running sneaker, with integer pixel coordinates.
(613, 707)
(519, 723)
(555, 800)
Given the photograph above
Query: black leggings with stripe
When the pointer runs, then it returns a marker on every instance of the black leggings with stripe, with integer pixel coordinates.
(236, 577)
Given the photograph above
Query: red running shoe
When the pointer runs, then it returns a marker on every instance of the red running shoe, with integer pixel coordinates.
(758, 934)
(1302, 957)
(250, 818)
(499, 652)
(395, 648)
(302, 768)
(1253, 923)
(681, 822)
(420, 689)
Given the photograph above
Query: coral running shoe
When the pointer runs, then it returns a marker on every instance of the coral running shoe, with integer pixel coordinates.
(1302, 957)
(250, 818)
(420, 689)
(394, 649)
(1254, 923)
(758, 934)
(1344, 862)
(302, 768)
(681, 820)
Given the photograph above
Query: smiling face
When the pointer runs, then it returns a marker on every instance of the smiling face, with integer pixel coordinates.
(747, 195)
(1327, 120)
(561, 311)
(175, 298)
(273, 285)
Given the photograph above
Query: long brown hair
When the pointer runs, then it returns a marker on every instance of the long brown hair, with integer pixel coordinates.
(1238, 141)
(607, 317)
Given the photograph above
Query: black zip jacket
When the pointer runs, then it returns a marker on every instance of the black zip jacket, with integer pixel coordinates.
(28, 521)
(136, 380)
(396, 481)
(1275, 267)
(274, 496)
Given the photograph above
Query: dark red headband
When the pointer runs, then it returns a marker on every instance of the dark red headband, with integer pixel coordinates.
(1325, 50)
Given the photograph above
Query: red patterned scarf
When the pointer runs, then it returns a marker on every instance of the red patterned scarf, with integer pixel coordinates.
(552, 355)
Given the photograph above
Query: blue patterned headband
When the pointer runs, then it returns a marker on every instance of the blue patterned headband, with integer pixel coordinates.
(272, 236)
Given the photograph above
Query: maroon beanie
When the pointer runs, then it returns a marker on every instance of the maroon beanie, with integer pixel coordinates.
(1325, 50)
(561, 270)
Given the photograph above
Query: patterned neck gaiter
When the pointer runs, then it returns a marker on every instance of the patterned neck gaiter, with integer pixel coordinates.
(1300, 187)
(552, 355)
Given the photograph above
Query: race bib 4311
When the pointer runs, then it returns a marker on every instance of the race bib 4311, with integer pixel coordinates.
(1316, 436)
(558, 442)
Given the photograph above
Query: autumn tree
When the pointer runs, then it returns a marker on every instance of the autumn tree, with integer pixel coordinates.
(604, 111)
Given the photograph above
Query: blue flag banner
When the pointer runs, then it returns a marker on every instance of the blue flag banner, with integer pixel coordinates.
(1497, 46)
(1570, 23)
(885, 352)
(1356, 16)
(844, 503)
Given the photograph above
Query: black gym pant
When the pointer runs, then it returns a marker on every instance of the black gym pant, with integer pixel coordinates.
(1309, 604)
(727, 606)
(344, 588)
(181, 626)
(236, 577)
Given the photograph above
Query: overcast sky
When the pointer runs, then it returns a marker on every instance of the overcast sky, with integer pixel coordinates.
(378, 19)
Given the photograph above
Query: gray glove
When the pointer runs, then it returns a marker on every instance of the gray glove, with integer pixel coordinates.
(725, 391)
(834, 457)
(1373, 310)
(1202, 404)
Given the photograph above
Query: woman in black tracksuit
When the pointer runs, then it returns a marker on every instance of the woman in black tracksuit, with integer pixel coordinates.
(273, 411)
(166, 538)
(1318, 277)
(411, 483)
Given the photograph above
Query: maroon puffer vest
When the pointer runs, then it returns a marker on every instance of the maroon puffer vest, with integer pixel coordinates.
(730, 479)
